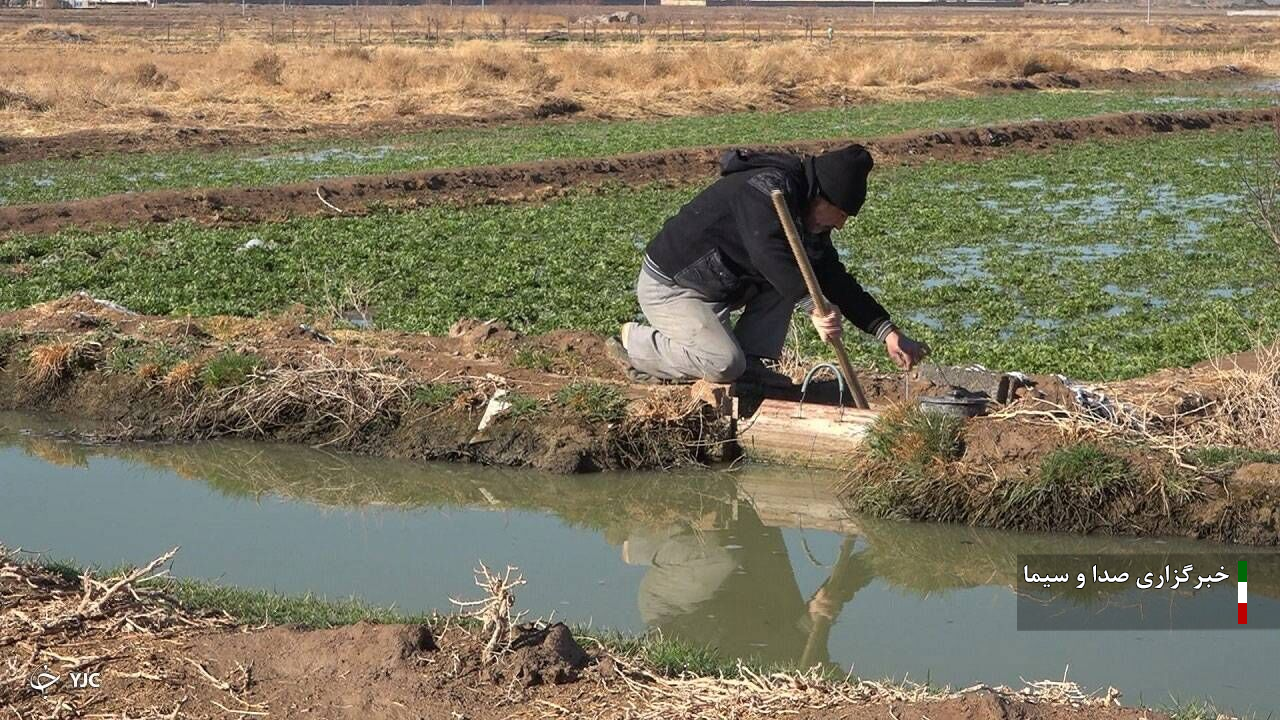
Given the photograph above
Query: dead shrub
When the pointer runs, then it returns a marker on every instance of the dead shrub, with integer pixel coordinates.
(989, 60)
(268, 68)
(1262, 190)
(12, 100)
(148, 76)
(358, 53)
(557, 107)
(1043, 62)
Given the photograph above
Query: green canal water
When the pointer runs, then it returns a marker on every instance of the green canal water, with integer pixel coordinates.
(758, 562)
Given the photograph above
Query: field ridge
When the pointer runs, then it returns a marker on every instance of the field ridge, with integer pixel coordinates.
(541, 180)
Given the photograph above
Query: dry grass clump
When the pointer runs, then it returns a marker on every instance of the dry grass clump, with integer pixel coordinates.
(1246, 410)
(10, 100)
(1004, 61)
(181, 378)
(327, 402)
(51, 362)
(149, 77)
(149, 371)
(353, 52)
(268, 68)
(1231, 402)
(479, 73)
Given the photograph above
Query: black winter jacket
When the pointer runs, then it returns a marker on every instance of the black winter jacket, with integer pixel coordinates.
(729, 237)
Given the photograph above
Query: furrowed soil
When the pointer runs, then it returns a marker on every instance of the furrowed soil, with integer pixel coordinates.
(534, 182)
(167, 138)
(157, 658)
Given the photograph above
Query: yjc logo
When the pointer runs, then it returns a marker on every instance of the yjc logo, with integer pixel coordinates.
(43, 680)
(85, 680)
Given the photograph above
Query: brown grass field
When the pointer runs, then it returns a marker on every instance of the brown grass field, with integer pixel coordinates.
(210, 66)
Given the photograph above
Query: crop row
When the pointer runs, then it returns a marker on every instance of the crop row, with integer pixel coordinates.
(1100, 260)
(46, 181)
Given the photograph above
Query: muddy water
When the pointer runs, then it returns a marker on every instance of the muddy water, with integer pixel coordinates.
(756, 562)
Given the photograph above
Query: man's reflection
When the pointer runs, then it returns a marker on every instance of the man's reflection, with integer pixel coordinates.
(725, 580)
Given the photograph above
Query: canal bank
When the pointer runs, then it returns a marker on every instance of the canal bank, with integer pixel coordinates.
(760, 564)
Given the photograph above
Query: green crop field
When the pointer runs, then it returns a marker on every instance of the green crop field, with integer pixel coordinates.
(50, 180)
(1100, 260)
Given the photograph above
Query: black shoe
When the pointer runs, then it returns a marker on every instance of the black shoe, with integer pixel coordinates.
(620, 357)
(758, 373)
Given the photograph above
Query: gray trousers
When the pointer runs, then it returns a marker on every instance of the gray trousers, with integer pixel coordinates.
(690, 337)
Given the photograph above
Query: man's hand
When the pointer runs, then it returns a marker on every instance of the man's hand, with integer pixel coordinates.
(903, 351)
(829, 325)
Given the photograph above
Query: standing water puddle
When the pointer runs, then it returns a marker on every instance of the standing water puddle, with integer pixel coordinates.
(758, 562)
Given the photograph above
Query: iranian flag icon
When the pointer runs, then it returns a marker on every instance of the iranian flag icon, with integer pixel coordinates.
(1242, 590)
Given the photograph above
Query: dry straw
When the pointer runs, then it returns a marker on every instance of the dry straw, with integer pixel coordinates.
(332, 399)
(1226, 403)
(783, 694)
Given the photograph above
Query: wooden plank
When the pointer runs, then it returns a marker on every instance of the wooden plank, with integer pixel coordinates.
(785, 498)
(811, 435)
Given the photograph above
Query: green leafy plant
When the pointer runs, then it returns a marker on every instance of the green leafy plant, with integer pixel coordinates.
(534, 359)
(435, 395)
(228, 368)
(523, 407)
(594, 401)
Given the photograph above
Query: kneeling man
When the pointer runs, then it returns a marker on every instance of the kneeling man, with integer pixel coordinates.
(726, 250)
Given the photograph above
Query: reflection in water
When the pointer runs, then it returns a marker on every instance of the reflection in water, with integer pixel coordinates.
(758, 563)
(731, 585)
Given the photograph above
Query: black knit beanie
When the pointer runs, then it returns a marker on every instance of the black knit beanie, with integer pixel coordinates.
(842, 176)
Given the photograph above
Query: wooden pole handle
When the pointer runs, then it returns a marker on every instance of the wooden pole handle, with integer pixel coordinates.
(815, 292)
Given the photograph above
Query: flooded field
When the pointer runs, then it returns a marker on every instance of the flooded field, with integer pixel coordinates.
(757, 562)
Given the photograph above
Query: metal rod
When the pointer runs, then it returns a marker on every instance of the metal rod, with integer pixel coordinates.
(815, 292)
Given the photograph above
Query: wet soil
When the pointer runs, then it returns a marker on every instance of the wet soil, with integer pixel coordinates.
(535, 182)
(369, 670)
(155, 658)
(378, 392)
(169, 138)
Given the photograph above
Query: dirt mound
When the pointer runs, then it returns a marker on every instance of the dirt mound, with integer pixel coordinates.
(1111, 77)
(539, 181)
(543, 656)
(57, 34)
(363, 651)
(366, 670)
(474, 334)
(1008, 448)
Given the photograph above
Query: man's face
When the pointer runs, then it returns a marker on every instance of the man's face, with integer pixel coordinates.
(821, 216)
